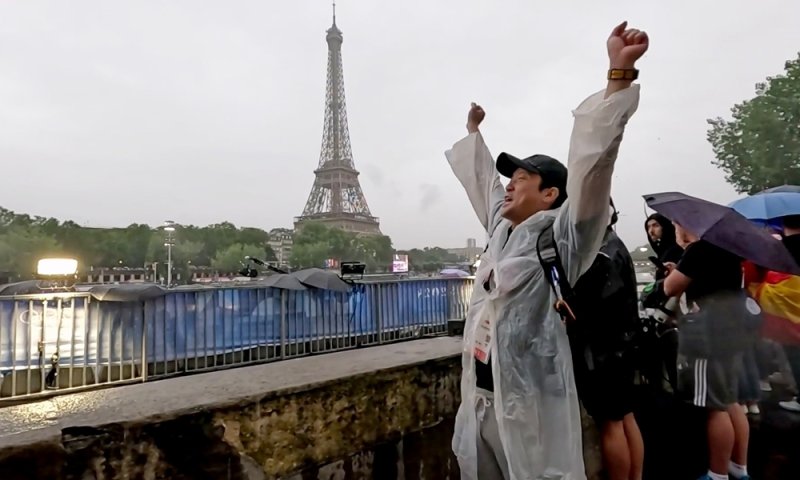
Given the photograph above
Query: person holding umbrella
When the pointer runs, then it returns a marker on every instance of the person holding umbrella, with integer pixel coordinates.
(519, 416)
(720, 319)
(706, 271)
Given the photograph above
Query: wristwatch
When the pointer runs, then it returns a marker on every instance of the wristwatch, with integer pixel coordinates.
(623, 74)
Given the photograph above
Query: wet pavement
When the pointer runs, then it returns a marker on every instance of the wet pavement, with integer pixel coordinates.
(675, 439)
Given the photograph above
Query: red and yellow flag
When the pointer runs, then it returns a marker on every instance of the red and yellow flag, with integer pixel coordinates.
(779, 297)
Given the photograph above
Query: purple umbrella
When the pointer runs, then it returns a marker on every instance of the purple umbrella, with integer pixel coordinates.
(725, 228)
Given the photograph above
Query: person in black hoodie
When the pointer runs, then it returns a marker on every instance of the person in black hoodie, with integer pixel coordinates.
(661, 235)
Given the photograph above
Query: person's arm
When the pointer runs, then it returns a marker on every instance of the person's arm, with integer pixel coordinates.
(676, 283)
(474, 167)
(596, 135)
(695, 259)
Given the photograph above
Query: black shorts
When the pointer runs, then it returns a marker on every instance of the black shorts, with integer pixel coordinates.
(710, 383)
(605, 385)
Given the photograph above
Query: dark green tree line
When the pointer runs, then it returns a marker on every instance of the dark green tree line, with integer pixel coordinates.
(24, 239)
(315, 243)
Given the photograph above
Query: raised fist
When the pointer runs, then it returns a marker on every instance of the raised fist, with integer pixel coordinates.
(475, 117)
(625, 46)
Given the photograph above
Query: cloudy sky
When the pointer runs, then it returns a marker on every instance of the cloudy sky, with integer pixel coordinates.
(203, 111)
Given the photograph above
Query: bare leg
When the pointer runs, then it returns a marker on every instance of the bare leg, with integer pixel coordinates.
(635, 446)
(720, 440)
(741, 431)
(616, 454)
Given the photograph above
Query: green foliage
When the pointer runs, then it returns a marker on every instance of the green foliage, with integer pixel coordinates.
(21, 248)
(230, 259)
(24, 239)
(316, 243)
(760, 147)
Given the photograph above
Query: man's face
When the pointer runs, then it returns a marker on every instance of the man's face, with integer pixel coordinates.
(654, 230)
(524, 197)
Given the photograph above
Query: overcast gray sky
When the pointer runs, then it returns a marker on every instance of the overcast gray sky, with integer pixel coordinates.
(199, 111)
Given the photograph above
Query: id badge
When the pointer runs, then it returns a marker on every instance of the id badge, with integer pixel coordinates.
(483, 341)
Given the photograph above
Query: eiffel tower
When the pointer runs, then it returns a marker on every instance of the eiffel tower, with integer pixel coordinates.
(336, 199)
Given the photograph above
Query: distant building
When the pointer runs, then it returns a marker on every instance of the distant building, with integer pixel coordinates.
(641, 258)
(281, 241)
(117, 275)
(468, 254)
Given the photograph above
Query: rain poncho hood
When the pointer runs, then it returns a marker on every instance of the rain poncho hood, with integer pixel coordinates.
(666, 248)
(536, 403)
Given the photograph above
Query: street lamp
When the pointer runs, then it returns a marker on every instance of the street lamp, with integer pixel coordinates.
(169, 228)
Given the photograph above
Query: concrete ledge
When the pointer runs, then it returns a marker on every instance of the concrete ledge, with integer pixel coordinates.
(24, 424)
(265, 421)
(380, 412)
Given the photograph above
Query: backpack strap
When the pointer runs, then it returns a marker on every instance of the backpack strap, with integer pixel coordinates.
(555, 274)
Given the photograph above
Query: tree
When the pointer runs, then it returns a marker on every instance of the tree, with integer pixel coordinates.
(24, 238)
(760, 147)
(231, 258)
(430, 259)
(21, 248)
(317, 242)
(186, 251)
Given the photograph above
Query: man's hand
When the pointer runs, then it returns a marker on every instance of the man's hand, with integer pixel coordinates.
(625, 46)
(475, 117)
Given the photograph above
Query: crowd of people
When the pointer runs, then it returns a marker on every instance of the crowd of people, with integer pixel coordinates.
(555, 321)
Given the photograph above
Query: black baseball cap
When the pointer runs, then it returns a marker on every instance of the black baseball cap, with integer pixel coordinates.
(553, 172)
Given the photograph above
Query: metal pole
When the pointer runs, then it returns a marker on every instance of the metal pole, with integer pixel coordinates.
(169, 228)
(169, 264)
(284, 296)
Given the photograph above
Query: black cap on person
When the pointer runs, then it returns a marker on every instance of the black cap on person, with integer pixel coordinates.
(552, 172)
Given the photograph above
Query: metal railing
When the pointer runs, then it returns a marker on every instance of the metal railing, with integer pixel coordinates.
(54, 343)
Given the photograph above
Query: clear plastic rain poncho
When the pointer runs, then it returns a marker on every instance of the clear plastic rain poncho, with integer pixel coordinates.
(534, 389)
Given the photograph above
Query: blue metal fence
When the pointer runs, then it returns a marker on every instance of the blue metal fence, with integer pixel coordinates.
(62, 342)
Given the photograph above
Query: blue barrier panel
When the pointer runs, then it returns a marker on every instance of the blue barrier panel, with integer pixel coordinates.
(72, 329)
(190, 324)
(187, 324)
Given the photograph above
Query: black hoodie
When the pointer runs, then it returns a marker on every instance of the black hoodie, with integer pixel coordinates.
(666, 248)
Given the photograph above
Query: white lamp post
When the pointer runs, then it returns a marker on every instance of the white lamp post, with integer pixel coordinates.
(169, 227)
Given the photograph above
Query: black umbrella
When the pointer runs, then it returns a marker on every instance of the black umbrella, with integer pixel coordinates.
(127, 292)
(26, 287)
(318, 278)
(282, 281)
(725, 228)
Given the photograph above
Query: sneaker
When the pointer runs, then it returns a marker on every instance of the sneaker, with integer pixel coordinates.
(793, 405)
(753, 409)
(765, 386)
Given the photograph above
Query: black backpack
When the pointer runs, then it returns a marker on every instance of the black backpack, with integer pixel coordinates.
(602, 290)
